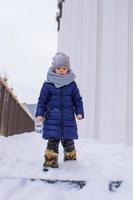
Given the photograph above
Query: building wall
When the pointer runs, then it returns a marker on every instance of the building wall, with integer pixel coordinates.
(98, 37)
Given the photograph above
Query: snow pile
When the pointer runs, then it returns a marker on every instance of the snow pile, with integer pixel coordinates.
(22, 156)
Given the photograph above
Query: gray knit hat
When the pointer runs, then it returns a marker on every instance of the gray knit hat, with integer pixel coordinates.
(61, 59)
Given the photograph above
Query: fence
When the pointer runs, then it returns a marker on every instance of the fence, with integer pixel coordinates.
(14, 118)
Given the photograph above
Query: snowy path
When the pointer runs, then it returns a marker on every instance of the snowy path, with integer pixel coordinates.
(22, 156)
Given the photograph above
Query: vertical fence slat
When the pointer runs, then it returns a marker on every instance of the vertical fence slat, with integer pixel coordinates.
(2, 89)
(4, 115)
(8, 101)
(11, 117)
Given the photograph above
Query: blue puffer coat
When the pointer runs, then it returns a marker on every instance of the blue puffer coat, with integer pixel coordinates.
(59, 106)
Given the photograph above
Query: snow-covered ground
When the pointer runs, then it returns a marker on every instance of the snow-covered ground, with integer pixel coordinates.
(22, 156)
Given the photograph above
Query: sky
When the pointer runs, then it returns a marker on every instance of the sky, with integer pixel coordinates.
(28, 41)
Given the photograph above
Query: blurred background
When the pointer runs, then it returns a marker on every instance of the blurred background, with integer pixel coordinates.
(28, 40)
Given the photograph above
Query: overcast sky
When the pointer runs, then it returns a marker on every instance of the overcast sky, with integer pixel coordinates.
(28, 40)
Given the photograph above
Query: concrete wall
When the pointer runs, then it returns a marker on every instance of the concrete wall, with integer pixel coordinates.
(98, 37)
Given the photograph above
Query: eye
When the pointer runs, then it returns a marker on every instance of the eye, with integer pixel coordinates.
(58, 68)
(64, 68)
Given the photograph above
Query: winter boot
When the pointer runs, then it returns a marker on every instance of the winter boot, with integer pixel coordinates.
(51, 159)
(70, 155)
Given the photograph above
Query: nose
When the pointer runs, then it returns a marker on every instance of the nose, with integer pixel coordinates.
(61, 70)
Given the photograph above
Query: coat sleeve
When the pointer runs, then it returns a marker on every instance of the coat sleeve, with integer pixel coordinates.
(77, 101)
(42, 100)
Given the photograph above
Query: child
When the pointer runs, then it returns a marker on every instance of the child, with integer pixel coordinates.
(58, 103)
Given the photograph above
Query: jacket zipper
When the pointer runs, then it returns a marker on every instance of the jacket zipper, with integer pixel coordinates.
(62, 111)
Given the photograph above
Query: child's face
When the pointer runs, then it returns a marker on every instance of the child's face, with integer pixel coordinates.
(61, 70)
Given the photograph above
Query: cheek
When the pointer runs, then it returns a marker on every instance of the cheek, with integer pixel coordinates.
(57, 71)
(67, 72)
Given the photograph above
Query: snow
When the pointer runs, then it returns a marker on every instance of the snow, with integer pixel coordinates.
(22, 156)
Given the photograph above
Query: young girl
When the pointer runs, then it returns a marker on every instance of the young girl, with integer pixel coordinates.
(58, 103)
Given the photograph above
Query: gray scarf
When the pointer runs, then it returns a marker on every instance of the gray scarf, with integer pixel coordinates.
(60, 80)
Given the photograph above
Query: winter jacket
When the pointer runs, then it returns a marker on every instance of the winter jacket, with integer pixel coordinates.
(59, 106)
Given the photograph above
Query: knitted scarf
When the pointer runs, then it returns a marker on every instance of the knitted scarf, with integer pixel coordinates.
(60, 80)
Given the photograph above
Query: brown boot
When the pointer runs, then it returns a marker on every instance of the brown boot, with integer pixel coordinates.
(70, 155)
(51, 159)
